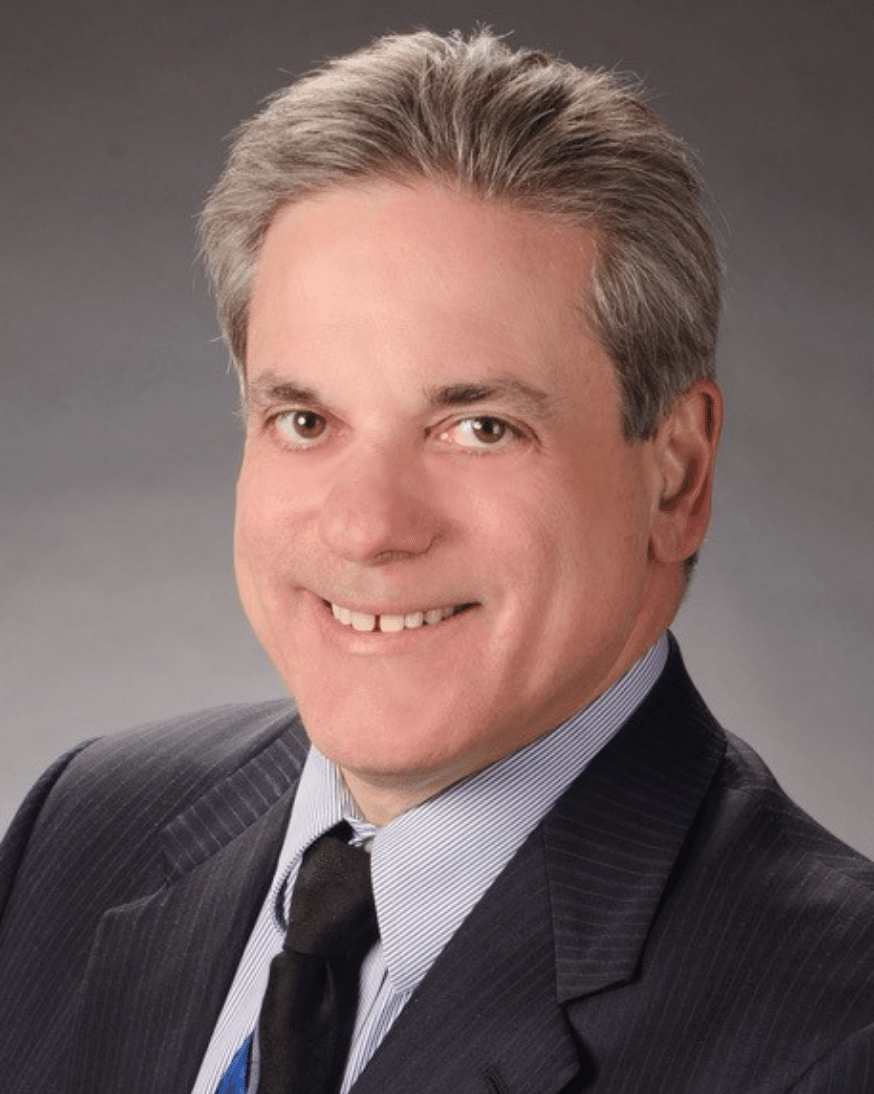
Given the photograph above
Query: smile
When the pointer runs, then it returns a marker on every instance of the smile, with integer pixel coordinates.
(364, 621)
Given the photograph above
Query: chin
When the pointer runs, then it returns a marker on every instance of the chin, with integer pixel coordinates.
(366, 745)
(381, 744)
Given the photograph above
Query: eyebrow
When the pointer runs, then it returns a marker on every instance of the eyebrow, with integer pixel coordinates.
(505, 389)
(270, 388)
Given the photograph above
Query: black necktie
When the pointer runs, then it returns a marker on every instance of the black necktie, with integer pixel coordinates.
(309, 1008)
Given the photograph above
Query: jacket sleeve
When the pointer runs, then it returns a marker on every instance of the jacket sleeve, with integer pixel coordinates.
(14, 845)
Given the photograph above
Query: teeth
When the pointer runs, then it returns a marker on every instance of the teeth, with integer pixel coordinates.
(389, 624)
(361, 621)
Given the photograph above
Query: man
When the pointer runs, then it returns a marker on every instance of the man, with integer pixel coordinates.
(473, 299)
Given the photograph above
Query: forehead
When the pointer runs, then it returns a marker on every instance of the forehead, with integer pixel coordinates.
(457, 234)
(445, 281)
(430, 205)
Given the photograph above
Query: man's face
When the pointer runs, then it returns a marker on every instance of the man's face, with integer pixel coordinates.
(433, 435)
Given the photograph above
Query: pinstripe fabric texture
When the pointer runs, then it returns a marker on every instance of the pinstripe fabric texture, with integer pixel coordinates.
(674, 925)
(430, 866)
(119, 829)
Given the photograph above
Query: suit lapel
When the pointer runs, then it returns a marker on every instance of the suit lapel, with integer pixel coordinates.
(503, 1010)
(170, 957)
(614, 839)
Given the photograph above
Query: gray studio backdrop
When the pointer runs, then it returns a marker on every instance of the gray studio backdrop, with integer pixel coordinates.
(118, 442)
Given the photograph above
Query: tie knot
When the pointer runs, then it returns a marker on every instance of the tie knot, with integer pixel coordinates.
(332, 911)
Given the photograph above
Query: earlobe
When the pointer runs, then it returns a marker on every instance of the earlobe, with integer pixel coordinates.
(685, 450)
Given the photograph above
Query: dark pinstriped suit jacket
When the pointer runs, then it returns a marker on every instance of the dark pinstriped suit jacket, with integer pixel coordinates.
(674, 925)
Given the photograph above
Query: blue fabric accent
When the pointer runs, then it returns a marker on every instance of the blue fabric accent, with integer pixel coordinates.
(234, 1079)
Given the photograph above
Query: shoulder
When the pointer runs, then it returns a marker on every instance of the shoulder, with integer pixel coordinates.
(788, 881)
(115, 793)
(163, 765)
(764, 934)
(746, 820)
(780, 914)
(766, 826)
(786, 892)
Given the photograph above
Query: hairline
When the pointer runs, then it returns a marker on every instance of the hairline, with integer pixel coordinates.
(538, 206)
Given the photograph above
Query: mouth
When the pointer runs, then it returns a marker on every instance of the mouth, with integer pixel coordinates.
(392, 624)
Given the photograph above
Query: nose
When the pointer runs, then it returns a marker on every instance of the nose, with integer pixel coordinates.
(379, 508)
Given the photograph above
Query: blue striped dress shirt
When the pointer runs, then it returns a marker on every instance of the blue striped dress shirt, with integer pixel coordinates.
(430, 866)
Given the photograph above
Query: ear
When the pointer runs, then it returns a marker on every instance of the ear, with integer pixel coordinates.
(685, 456)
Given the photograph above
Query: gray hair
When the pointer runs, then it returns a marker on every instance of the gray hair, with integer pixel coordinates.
(511, 126)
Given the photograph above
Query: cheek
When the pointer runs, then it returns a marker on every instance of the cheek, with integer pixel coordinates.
(248, 571)
(262, 512)
(593, 535)
(257, 540)
(247, 527)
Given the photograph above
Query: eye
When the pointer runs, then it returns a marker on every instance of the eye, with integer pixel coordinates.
(301, 426)
(480, 432)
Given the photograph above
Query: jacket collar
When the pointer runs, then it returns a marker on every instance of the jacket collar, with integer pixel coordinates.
(234, 803)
